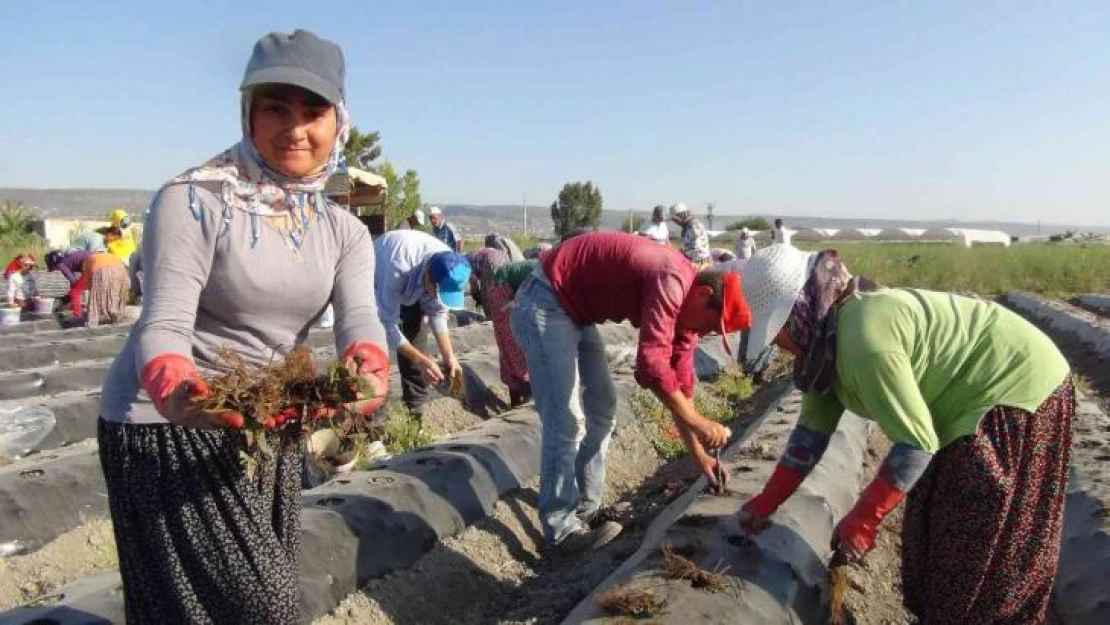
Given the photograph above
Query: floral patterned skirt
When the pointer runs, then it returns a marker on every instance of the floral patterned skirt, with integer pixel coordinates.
(982, 528)
(514, 368)
(198, 541)
(109, 290)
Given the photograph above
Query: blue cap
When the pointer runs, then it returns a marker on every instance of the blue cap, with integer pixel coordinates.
(451, 273)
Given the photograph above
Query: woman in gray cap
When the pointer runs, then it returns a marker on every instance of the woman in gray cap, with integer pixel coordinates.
(243, 252)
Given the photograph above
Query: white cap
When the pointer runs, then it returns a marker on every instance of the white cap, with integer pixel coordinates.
(419, 216)
(434, 211)
(745, 230)
(679, 208)
(771, 280)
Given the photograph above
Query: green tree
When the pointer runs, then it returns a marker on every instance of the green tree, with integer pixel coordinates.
(15, 219)
(410, 186)
(362, 149)
(403, 196)
(579, 206)
(15, 231)
(751, 223)
(394, 194)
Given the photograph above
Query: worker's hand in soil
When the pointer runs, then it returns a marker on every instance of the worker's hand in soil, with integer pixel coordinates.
(369, 362)
(755, 514)
(708, 465)
(855, 535)
(752, 520)
(711, 434)
(430, 371)
(452, 369)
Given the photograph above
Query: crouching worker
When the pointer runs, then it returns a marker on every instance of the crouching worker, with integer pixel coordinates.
(418, 275)
(591, 279)
(978, 404)
(102, 275)
(15, 273)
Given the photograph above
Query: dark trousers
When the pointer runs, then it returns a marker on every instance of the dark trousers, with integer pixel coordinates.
(414, 390)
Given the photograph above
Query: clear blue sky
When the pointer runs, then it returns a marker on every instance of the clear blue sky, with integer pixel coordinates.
(974, 110)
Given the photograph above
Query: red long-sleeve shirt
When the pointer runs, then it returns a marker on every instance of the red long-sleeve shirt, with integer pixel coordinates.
(614, 276)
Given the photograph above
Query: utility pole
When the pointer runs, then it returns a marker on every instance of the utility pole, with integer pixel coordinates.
(709, 215)
(630, 229)
(524, 204)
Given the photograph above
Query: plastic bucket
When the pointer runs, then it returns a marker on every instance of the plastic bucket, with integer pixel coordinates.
(9, 316)
(44, 305)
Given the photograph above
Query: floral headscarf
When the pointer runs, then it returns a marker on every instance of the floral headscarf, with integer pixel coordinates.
(813, 320)
(251, 186)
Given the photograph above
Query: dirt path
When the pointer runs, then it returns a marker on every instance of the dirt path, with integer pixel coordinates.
(494, 571)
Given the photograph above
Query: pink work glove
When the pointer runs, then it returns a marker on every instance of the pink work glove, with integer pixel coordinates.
(854, 536)
(174, 384)
(755, 514)
(371, 363)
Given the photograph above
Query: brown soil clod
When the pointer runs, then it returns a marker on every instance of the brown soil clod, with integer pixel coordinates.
(630, 602)
(676, 566)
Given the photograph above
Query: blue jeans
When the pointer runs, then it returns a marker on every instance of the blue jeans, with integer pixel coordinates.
(573, 392)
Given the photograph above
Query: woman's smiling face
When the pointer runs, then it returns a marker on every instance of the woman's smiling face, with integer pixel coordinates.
(293, 129)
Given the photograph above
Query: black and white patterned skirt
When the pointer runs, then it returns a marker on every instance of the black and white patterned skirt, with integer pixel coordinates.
(198, 542)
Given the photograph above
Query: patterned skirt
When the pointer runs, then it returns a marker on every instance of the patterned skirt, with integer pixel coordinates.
(198, 542)
(514, 368)
(981, 533)
(109, 290)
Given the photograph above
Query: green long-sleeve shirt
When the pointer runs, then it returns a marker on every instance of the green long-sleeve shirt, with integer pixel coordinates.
(514, 274)
(926, 366)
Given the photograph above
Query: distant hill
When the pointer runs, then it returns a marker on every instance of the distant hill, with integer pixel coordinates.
(476, 219)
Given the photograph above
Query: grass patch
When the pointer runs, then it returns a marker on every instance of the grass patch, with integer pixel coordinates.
(656, 420)
(716, 401)
(403, 431)
(733, 385)
(15, 244)
(989, 270)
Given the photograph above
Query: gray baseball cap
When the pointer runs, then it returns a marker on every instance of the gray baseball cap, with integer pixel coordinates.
(301, 59)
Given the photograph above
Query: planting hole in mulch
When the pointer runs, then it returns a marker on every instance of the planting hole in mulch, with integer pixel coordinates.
(697, 520)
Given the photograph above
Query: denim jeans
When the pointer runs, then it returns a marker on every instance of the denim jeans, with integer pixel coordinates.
(573, 391)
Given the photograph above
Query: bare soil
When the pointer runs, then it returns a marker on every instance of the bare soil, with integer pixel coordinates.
(85, 550)
(875, 585)
(495, 571)
(445, 415)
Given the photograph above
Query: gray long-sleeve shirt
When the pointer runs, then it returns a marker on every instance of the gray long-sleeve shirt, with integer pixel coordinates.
(207, 286)
(398, 280)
